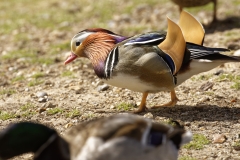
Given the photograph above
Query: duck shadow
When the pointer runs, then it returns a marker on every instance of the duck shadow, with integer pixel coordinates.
(222, 25)
(198, 113)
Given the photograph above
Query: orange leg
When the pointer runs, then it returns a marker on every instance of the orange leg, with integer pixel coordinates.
(142, 105)
(214, 10)
(173, 101)
(180, 9)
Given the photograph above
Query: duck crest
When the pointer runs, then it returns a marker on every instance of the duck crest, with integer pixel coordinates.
(97, 48)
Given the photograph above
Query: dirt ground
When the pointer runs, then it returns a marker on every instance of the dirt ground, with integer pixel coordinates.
(63, 96)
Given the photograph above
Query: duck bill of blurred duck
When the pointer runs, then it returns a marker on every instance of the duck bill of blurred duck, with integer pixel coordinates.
(70, 58)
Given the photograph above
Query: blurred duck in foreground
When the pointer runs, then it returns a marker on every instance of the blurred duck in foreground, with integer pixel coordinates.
(149, 62)
(196, 3)
(119, 137)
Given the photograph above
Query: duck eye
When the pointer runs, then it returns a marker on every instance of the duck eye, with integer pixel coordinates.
(77, 43)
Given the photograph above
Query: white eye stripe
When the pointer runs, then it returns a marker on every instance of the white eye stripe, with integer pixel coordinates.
(77, 39)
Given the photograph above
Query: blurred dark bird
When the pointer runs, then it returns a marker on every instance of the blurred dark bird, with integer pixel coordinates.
(150, 62)
(196, 3)
(119, 137)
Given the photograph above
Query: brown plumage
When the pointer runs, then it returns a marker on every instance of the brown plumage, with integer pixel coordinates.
(196, 3)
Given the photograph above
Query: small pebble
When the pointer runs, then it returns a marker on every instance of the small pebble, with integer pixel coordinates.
(41, 94)
(79, 91)
(48, 83)
(103, 87)
(48, 105)
(40, 110)
(148, 115)
(219, 138)
(237, 53)
(112, 107)
(68, 125)
(41, 100)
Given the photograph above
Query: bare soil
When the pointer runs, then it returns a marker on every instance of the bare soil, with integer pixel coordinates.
(203, 108)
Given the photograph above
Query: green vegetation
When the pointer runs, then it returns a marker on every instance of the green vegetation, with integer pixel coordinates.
(6, 115)
(236, 85)
(89, 116)
(34, 82)
(67, 74)
(55, 110)
(26, 106)
(231, 78)
(55, 49)
(38, 75)
(205, 77)
(236, 145)
(27, 110)
(18, 78)
(73, 113)
(198, 142)
(7, 92)
(37, 79)
(124, 106)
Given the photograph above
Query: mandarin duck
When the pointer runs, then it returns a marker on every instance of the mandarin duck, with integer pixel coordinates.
(195, 3)
(119, 137)
(150, 62)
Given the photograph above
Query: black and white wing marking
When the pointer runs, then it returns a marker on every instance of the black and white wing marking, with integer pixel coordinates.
(111, 62)
(146, 39)
(201, 52)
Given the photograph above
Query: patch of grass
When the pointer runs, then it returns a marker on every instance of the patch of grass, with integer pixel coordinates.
(26, 106)
(236, 2)
(18, 78)
(89, 115)
(187, 158)
(124, 106)
(67, 74)
(34, 82)
(28, 114)
(26, 53)
(7, 92)
(236, 145)
(38, 75)
(6, 115)
(204, 77)
(198, 142)
(53, 111)
(64, 46)
(231, 78)
(73, 113)
(193, 78)
(27, 110)
(236, 86)
(41, 60)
